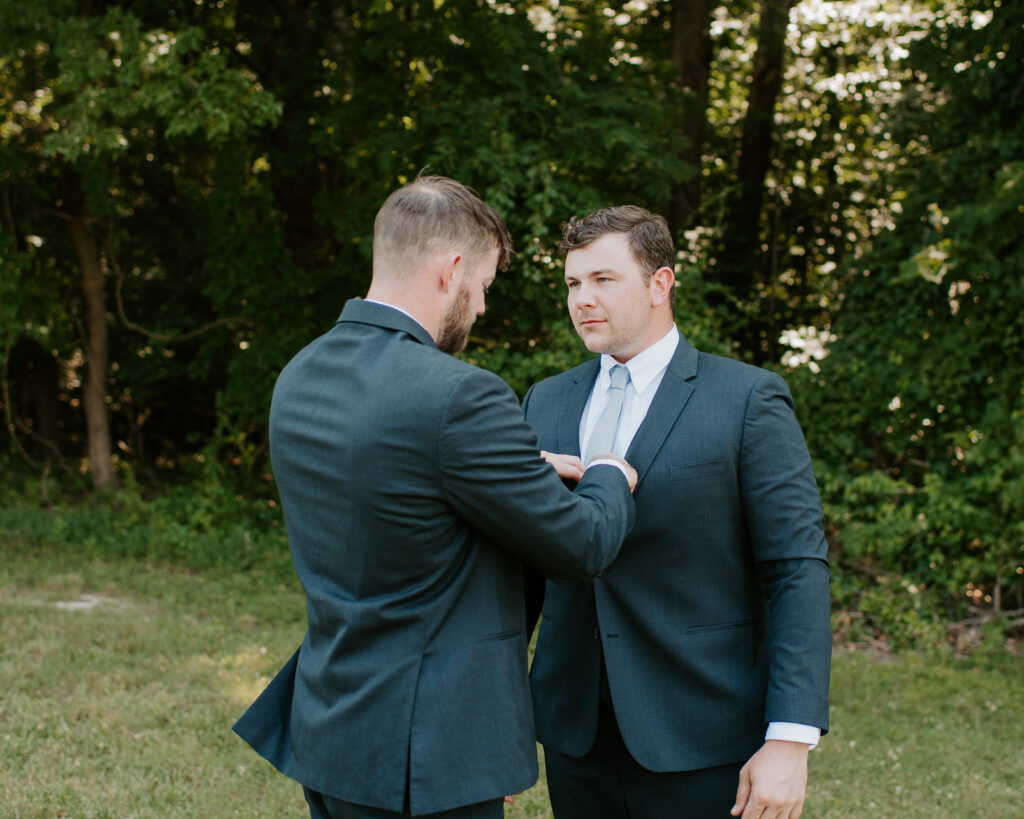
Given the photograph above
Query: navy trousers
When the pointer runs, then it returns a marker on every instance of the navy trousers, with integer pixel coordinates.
(607, 783)
(322, 806)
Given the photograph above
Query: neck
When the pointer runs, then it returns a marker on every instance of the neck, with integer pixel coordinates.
(656, 330)
(411, 302)
(420, 287)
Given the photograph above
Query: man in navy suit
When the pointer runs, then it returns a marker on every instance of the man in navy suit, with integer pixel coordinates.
(412, 489)
(690, 678)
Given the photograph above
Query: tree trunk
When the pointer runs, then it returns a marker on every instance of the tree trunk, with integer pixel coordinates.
(740, 256)
(101, 462)
(758, 125)
(690, 49)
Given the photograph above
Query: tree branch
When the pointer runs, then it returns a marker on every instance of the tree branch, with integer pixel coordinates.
(14, 424)
(1012, 618)
(164, 337)
(5, 191)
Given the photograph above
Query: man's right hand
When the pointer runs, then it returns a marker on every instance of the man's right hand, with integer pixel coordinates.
(631, 475)
(773, 783)
(568, 467)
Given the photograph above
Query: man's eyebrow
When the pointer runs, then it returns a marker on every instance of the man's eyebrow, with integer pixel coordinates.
(603, 271)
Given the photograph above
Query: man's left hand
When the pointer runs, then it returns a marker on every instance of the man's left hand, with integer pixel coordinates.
(773, 783)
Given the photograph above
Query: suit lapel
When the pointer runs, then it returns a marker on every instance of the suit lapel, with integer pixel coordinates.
(673, 393)
(574, 399)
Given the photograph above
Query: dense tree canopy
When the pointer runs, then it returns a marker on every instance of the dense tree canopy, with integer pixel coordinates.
(188, 191)
(918, 410)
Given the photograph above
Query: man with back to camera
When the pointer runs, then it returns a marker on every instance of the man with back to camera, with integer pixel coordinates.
(412, 489)
(664, 688)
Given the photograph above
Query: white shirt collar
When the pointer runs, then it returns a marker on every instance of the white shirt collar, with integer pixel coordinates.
(645, 366)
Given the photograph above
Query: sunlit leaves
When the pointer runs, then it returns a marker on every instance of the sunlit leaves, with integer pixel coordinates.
(109, 74)
(937, 319)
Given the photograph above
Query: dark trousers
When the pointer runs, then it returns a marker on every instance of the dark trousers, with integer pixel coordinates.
(322, 806)
(608, 783)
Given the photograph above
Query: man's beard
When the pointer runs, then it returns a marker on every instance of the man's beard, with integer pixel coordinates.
(457, 323)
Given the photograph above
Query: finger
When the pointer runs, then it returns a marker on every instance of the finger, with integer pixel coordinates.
(759, 808)
(754, 811)
(742, 793)
(773, 813)
(569, 472)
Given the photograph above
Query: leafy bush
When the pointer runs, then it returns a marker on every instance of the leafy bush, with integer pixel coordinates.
(197, 526)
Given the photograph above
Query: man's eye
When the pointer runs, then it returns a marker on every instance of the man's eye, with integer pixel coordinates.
(571, 285)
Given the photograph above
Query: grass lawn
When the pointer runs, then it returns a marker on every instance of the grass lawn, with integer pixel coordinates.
(120, 682)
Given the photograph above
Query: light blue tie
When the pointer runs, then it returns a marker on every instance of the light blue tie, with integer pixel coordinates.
(603, 437)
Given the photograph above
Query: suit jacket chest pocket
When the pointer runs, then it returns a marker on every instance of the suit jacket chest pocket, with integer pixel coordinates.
(703, 486)
(712, 470)
(694, 490)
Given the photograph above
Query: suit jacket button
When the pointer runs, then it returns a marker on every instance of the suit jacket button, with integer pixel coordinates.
(596, 635)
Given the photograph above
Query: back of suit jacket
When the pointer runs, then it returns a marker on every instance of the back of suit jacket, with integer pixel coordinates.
(412, 489)
(728, 527)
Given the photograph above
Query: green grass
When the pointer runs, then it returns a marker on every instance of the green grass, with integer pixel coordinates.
(922, 736)
(125, 708)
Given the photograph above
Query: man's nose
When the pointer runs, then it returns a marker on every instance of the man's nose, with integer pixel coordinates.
(584, 296)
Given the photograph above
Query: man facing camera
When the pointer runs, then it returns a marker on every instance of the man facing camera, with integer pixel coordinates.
(412, 489)
(690, 678)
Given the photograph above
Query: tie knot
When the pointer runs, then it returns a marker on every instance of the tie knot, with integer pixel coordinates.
(620, 377)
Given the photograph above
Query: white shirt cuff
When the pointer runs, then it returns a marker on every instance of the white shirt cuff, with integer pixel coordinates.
(610, 462)
(794, 732)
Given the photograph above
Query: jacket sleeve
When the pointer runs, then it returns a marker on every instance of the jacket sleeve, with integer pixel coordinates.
(783, 512)
(494, 478)
(533, 581)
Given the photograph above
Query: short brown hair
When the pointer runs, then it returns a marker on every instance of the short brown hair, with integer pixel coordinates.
(431, 214)
(650, 240)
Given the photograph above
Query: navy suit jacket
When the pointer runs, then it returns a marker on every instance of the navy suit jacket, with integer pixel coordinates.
(714, 619)
(412, 489)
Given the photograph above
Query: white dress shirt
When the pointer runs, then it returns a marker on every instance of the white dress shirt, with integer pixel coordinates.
(646, 369)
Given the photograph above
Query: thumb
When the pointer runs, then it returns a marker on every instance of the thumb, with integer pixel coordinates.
(742, 793)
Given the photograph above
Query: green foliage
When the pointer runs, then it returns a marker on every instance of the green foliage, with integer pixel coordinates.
(110, 80)
(201, 525)
(144, 120)
(230, 181)
(918, 412)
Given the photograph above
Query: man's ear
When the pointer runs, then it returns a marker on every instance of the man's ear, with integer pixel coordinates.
(446, 266)
(660, 284)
